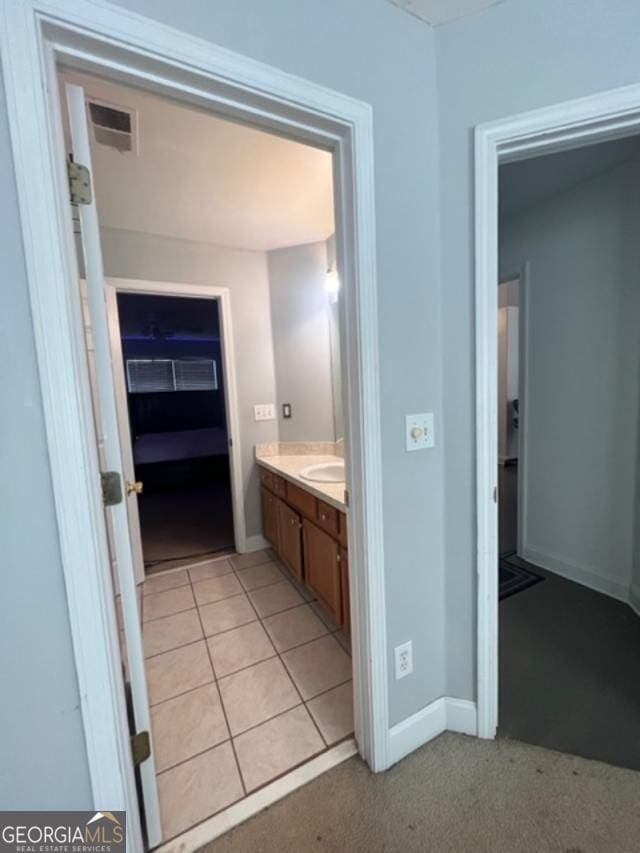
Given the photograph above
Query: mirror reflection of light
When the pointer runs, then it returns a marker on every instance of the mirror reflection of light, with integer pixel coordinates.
(332, 282)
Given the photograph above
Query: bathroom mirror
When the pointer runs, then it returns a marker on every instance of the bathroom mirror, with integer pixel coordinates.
(336, 369)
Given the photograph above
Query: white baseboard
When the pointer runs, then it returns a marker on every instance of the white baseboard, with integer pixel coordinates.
(634, 597)
(586, 577)
(462, 716)
(445, 714)
(255, 543)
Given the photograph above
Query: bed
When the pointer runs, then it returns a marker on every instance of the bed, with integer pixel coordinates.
(152, 447)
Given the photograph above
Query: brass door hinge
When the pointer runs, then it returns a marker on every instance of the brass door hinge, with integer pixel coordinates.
(140, 747)
(79, 183)
(111, 488)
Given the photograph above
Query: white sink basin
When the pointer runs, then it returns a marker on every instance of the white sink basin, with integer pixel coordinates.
(326, 472)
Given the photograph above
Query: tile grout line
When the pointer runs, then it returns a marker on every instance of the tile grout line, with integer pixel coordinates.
(291, 679)
(222, 705)
(277, 654)
(309, 714)
(182, 692)
(206, 637)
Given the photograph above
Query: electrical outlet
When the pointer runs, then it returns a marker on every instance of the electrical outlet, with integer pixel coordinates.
(404, 660)
(264, 412)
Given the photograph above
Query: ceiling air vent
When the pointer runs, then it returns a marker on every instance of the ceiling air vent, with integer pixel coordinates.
(113, 126)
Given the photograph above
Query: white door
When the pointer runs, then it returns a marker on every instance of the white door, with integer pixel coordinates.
(108, 428)
(126, 449)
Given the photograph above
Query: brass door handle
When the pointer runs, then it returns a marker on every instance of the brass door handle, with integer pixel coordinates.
(134, 487)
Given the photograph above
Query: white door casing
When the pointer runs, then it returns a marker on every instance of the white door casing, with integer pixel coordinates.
(109, 431)
(596, 118)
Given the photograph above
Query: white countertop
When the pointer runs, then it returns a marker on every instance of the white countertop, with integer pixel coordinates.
(290, 467)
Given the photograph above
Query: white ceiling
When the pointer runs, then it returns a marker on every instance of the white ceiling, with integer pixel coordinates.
(437, 12)
(198, 177)
(530, 182)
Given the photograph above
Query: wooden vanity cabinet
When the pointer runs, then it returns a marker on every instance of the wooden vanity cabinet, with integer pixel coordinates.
(310, 538)
(289, 538)
(322, 568)
(269, 505)
(344, 586)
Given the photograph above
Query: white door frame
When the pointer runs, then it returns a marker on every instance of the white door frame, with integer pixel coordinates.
(222, 296)
(94, 36)
(571, 124)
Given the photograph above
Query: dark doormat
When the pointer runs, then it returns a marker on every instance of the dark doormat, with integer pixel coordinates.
(513, 577)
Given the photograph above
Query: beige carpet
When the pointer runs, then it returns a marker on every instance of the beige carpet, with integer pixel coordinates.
(455, 794)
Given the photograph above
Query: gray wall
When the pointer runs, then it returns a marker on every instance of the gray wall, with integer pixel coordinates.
(301, 341)
(516, 56)
(582, 316)
(129, 254)
(373, 51)
(42, 751)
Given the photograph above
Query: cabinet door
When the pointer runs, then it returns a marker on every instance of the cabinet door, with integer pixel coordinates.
(344, 585)
(269, 517)
(322, 568)
(290, 546)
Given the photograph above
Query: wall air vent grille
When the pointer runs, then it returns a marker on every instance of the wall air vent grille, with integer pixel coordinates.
(113, 126)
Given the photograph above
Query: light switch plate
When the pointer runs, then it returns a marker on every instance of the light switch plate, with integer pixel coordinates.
(419, 431)
(264, 412)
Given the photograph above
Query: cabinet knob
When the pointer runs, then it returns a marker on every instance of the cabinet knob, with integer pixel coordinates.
(323, 516)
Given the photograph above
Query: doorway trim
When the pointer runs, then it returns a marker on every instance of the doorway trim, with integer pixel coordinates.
(96, 37)
(222, 296)
(571, 124)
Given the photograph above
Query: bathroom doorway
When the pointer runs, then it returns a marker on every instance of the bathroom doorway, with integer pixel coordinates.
(245, 638)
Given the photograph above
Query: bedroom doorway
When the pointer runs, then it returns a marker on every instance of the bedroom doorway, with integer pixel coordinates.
(175, 389)
(175, 386)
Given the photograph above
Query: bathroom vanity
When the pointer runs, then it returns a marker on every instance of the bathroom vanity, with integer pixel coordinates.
(306, 524)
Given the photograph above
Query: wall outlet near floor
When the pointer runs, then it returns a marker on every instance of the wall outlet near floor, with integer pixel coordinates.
(404, 660)
(264, 412)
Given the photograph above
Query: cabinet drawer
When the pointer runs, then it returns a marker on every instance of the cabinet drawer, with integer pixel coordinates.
(266, 478)
(301, 500)
(279, 485)
(327, 518)
(342, 528)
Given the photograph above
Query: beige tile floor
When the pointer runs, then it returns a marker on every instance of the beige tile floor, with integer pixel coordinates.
(248, 678)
